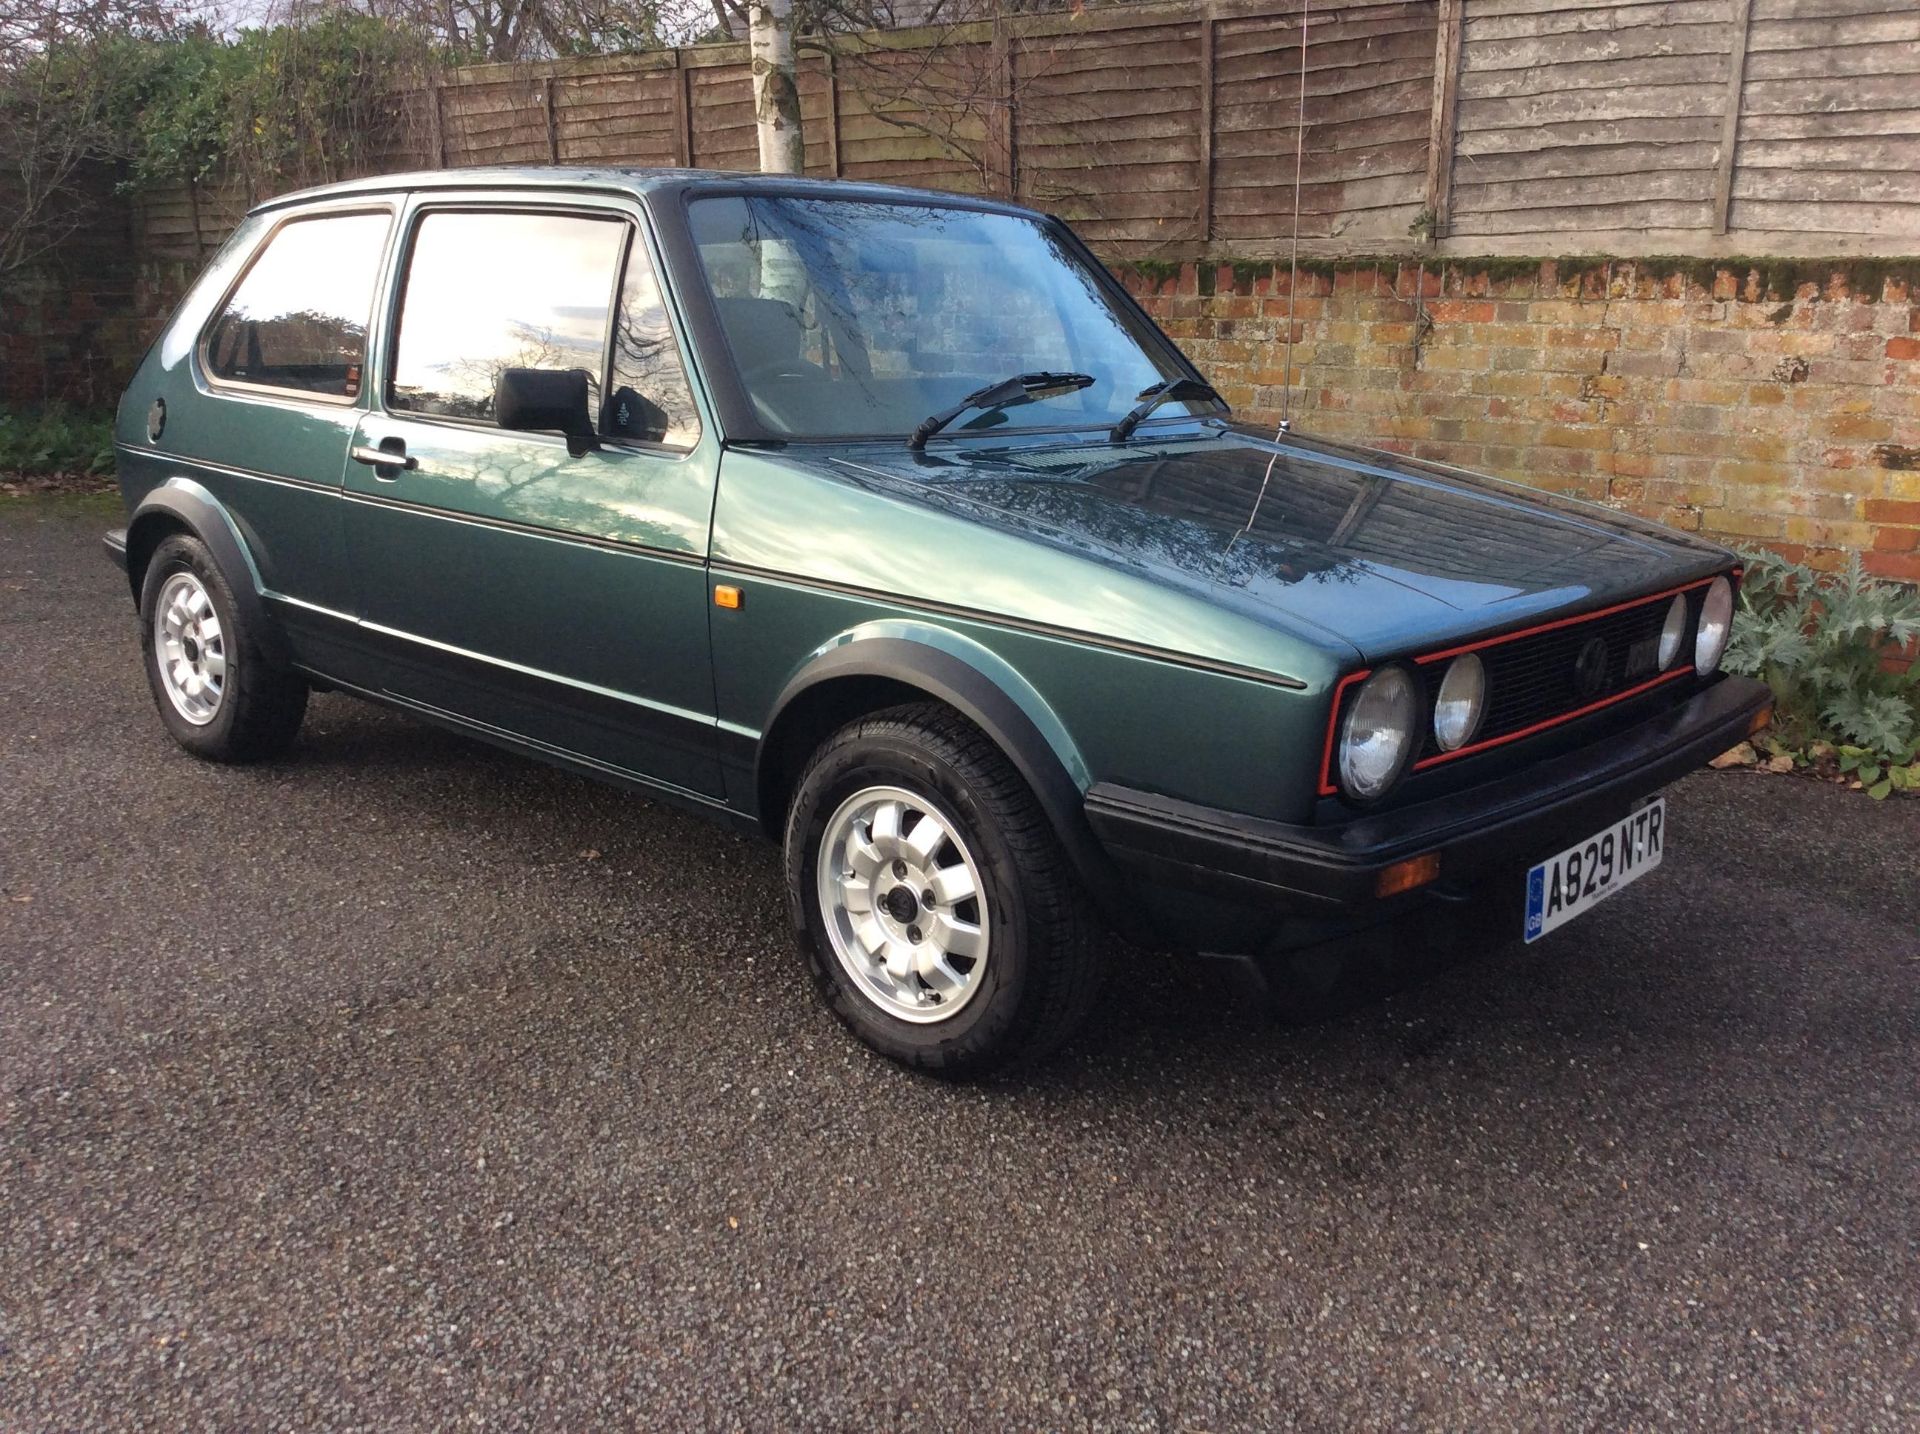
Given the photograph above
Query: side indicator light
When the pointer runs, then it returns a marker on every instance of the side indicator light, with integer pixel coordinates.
(727, 596)
(1760, 719)
(1406, 875)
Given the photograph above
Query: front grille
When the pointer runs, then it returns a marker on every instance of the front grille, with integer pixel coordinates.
(1537, 678)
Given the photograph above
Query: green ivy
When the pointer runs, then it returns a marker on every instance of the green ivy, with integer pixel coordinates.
(297, 103)
(1831, 648)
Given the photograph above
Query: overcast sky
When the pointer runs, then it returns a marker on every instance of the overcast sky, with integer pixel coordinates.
(231, 15)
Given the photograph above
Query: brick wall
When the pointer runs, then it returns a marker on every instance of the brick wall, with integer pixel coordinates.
(1775, 403)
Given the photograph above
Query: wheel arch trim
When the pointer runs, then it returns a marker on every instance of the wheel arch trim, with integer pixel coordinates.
(183, 503)
(988, 692)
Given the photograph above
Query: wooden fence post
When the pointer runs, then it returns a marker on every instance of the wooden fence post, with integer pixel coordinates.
(1440, 126)
(193, 218)
(437, 122)
(683, 108)
(1203, 203)
(1730, 120)
(833, 116)
(553, 120)
(1001, 160)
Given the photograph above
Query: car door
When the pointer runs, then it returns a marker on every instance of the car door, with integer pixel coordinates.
(505, 577)
(280, 370)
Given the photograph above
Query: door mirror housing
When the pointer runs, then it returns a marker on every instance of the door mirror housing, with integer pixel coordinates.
(546, 400)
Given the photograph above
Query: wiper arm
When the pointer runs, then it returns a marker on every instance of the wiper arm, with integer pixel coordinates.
(1151, 397)
(1021, 388)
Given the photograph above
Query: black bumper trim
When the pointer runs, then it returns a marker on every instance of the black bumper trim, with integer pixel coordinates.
(1520, 817)
(115, 543)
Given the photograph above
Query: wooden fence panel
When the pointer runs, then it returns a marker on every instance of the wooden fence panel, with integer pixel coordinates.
(1107, 132)
(619, 117)
(495, 121)
(916, 115)
(1167, 130)
(1369, 91)
(723, 132)
(187, 221)
(1829, 129)
(1584, 117)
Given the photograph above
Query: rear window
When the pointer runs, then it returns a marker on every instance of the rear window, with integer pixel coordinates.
(297, 320)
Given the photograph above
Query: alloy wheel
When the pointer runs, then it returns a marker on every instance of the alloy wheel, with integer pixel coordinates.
(903, 903)
(190, 648)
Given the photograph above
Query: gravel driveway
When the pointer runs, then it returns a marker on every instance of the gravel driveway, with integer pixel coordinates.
(408, 1085)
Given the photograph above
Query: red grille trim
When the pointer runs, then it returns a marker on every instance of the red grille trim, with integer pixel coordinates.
(1573, 621)
(1330, 788)
(1505, 737)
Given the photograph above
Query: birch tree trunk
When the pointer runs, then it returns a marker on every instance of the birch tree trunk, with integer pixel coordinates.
(776, 98)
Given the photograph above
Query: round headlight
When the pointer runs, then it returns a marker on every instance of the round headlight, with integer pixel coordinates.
(1672, 631)
(1716, 623)
(1378, 733)
(1461, 702)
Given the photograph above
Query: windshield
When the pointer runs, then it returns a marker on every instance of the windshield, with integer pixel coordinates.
(851, 318)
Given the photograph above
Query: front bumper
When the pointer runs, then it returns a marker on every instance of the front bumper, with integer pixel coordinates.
(1327, 871)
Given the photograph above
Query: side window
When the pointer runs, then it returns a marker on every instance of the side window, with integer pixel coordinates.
(648, 398)
(490, 291)
(298, 318)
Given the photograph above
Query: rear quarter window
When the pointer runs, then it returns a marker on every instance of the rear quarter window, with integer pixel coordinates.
(297, 321)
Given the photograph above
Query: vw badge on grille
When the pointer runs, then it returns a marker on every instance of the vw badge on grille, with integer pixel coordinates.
(1590, 668)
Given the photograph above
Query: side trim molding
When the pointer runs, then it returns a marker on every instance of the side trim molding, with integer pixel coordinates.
(188, 459)
(696, 731)
(530, 530)
(1017, 624)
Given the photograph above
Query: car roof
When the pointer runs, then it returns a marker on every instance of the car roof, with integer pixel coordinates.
(634, 181)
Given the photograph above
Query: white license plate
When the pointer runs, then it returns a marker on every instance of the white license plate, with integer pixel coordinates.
(1588, 872)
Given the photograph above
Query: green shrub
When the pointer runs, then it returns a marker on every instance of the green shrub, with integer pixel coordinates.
(289, 104)
(1831, 648)
(52, 442)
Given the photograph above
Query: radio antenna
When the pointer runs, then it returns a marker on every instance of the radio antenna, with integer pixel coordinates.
(1293, 260)
(1293, 284)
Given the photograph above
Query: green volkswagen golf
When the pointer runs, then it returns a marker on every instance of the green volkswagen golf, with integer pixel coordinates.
(886, 524)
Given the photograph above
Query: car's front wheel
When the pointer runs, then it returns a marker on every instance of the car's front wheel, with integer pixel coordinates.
(217, 693)
(938, 914)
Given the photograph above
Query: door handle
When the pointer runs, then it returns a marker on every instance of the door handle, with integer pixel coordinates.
(394, 458)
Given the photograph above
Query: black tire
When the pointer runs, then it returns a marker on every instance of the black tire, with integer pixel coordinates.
(1044, 957)
(260, 706)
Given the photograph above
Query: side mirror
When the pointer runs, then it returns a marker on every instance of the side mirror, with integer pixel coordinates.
(546, 400)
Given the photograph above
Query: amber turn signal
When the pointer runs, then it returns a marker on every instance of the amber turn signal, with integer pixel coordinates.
(1760, 719)
(1406, 875)
(725, 595)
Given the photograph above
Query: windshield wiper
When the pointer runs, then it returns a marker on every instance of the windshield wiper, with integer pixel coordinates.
(1153, 395)
(1021, 388)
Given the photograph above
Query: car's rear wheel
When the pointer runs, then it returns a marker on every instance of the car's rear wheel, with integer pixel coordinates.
(217, 693)
(938, 914)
